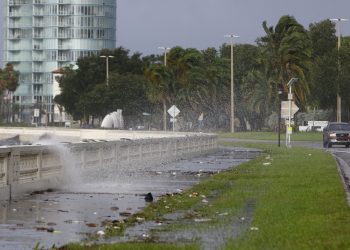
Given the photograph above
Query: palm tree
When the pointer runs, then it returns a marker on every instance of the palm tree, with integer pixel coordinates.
(157, 88)
(286, 52)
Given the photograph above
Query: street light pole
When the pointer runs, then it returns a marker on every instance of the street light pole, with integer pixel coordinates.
(164, 103)
(290, 98)
(107, 68)
(280, 92)
(232, 119)
(166, 50)
(338, 21)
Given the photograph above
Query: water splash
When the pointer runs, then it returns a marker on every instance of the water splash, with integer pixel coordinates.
(71, 175)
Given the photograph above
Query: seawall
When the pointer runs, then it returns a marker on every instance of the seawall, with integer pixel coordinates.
(24, 169)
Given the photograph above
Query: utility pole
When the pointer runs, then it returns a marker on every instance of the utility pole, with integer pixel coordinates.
(338, 22)
(232, 118)
(164, 102)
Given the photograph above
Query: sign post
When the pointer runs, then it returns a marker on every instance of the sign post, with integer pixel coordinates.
(200, 121)
(289, 128)
(285, 109)
(173, 112)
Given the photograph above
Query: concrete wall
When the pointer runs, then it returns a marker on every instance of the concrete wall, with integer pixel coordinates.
(77, 135)
(24, 169)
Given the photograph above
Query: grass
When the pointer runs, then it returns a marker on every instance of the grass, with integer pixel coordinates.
(298, 198)
(304, 206)
(132, 246)
(296, 136)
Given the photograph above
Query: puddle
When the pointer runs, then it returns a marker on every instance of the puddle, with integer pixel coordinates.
(72, 213)
(215, 236)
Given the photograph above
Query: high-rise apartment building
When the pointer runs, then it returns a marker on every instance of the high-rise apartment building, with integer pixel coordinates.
(41, 36)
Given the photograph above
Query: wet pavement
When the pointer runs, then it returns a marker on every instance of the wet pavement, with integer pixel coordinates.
(74, 212)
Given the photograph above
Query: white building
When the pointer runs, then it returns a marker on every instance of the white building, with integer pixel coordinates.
(41, 36)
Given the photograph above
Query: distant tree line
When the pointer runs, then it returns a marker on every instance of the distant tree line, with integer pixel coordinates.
(199, 81)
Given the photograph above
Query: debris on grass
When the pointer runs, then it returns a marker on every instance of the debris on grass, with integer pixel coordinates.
(223, 214)
(198, 220)
(100, 233)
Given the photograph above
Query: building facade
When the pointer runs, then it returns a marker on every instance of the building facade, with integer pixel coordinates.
(41, 36)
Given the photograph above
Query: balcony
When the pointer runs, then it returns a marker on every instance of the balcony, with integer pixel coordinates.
(14, 49)
(64, 25)
(37, 69)
(63, 36)
(15, 37)
(16, 2)
(38, 25)
(38, 58)
(64, 2)
(39, 2)
(38, 13)
(37, 47)
(64, 59)
(15, 14)
(63, 47)
(38, 81)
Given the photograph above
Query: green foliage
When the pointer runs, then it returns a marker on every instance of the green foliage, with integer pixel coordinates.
(199, 81)
(84, 90)
(324, 72)
(286, 51)
(8, 78)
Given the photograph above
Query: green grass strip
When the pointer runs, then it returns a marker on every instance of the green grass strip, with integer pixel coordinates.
(304, 205)
(131, 246)
(296, 136)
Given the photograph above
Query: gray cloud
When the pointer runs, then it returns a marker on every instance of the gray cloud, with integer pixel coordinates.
(144, 25)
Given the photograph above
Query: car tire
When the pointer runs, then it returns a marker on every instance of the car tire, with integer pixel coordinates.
(347, 145)
(329, 145)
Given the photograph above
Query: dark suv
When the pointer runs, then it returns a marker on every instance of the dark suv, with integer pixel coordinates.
(336, 133)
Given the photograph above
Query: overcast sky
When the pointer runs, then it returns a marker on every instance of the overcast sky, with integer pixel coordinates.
(144, 25)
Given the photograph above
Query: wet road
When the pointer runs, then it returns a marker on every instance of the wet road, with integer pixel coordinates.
(72, 213)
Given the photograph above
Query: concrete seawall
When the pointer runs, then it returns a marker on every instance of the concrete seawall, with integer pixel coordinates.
(24, 169)
(77, 135)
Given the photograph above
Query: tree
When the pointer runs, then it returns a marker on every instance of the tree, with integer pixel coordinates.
(286, 53)
(83, 90)
(8, 78)
(8, 82)
(324, 68)
(157, 87)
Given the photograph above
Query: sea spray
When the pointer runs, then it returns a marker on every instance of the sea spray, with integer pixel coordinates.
(71, 174)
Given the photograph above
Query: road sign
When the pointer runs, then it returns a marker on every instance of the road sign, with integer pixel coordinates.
(173, 111)
(285, 109)
(201, 117)
(36, 112)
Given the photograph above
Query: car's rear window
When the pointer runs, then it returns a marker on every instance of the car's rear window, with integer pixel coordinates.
(339, 127)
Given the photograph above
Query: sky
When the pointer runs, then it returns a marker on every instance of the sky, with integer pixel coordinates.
(145, 25)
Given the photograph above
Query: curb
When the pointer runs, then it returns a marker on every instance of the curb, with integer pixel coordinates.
(344, 173)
